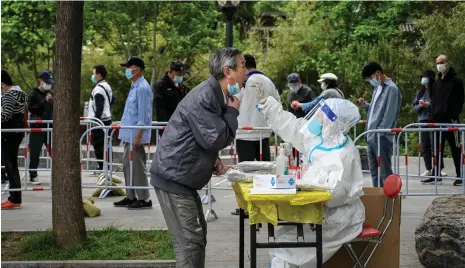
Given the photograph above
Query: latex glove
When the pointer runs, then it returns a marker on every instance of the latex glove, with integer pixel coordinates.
(266, 103)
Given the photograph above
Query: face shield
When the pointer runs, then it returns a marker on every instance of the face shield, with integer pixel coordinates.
(314, 119)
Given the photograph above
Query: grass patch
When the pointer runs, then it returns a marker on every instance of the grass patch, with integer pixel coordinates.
(107, 244)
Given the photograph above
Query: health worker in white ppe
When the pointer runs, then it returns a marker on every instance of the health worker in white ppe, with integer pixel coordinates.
(334, 164)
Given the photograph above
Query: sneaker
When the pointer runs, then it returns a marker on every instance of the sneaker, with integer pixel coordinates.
(10, 205)
(458, 183)
(431, 181)
(443, 173)
(124, 203)
(35, 180)
(426, 173)
(140, 204)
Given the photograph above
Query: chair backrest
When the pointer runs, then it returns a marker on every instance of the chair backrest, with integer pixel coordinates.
(392, 186)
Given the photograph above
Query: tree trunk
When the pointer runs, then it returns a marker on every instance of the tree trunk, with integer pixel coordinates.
(67, 210)
(153, 80)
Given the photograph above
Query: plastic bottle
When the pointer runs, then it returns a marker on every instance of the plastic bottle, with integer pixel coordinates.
(281, 163)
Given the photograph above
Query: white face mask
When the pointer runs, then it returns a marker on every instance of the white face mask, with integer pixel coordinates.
(442, 68)
(324, 86)
(294, 87)
(46, 86)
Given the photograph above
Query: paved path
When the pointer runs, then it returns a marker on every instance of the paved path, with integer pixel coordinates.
(222, 249)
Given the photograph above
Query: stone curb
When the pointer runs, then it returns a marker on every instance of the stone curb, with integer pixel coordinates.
(89, 264)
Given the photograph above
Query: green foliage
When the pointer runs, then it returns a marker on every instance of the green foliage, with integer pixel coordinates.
(445, 35)
(28, 37)
(315, 37)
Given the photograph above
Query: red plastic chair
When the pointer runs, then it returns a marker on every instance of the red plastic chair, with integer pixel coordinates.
(370, 234)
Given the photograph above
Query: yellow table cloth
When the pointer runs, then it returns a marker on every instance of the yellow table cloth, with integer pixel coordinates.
(303, 207)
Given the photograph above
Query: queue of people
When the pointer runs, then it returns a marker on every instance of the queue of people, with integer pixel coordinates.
(205, 120)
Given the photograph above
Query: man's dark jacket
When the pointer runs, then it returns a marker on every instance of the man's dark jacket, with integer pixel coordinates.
(447, 97)
(303, 95)
(200, 127)
(166, 97)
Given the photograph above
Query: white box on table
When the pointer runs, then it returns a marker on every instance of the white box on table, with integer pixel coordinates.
(274, 182)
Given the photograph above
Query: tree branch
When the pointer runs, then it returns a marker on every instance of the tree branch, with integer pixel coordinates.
(22, 75)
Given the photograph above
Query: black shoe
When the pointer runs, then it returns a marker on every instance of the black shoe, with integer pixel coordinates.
(140, 204)
(124, 203)
(458, 182)
(431, 181)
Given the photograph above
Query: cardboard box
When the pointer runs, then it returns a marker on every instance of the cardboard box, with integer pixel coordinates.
(273, 191)
(387, 255)
(274, 182)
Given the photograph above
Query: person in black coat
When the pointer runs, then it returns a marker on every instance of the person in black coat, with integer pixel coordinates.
(448, 97)
(40, 105)
(169, 91)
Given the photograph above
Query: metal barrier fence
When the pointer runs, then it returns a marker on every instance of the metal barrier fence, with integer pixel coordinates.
(109, 164)
(437, 131)
(26, 151)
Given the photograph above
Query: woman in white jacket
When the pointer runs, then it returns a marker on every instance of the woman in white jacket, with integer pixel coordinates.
(334, 164)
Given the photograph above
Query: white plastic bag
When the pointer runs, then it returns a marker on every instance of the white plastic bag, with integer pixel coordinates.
(253, 166)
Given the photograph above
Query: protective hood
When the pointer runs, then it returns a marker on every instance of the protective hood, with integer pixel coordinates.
(337, 117)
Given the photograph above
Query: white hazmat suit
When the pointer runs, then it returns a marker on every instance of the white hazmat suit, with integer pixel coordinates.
(334, 164)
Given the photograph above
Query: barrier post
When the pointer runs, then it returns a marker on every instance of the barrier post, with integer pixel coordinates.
(419, 152)
(378, 157)
(462, 160)
(406, 160)
(210, 200)
(437, 167)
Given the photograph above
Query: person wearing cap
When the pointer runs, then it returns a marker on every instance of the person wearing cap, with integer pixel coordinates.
(100, 103)
(329, 89)
(137, 112)
(169, 91)
(383, 113)
(13, 117)
(299, 92)
(40, 105)
(204, 123)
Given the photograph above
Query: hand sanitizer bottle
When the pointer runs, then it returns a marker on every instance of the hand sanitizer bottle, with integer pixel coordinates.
(281, 163)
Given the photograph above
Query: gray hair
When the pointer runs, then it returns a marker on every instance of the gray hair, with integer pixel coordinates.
(224, 57)
(444, 57)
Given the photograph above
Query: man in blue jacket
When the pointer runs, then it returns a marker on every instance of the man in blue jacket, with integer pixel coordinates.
(204, 123)
(383, 113)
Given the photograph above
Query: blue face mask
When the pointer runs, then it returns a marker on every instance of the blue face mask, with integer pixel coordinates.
(128, 73)
(424, 81)
(233, 89)
(177, 79)
(315, 127)
(94, 80)
(374, 82)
